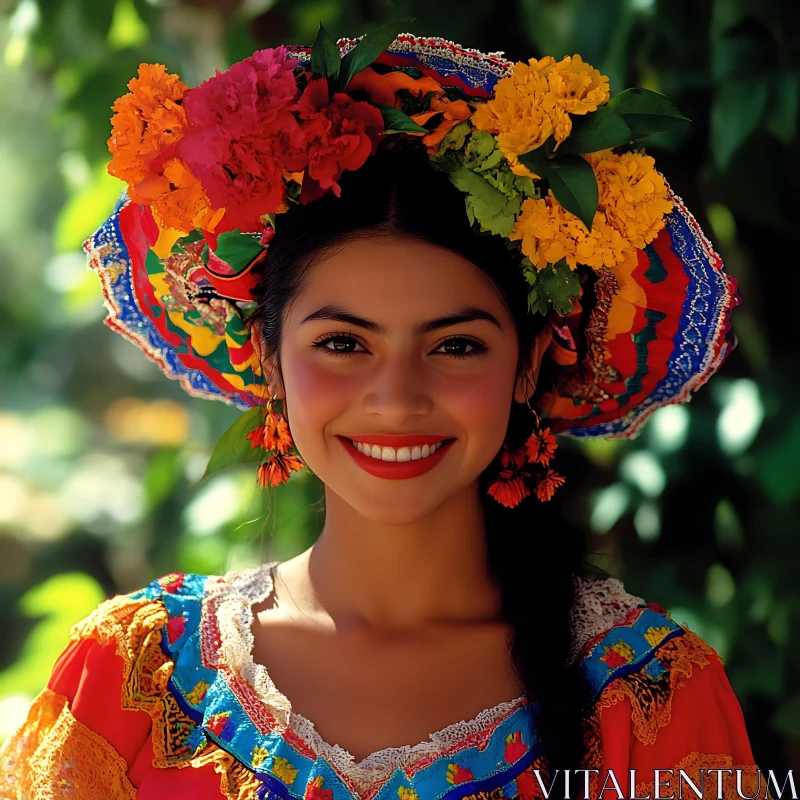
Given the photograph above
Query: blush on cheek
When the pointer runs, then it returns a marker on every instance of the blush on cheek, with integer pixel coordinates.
(318, 395)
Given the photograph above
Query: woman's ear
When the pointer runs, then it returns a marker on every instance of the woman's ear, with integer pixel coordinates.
(526, 383)
(269, 364)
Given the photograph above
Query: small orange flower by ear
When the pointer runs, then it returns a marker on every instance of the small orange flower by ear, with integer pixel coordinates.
(548, 484)
(541, 446)
(509, 489)
(277, 469)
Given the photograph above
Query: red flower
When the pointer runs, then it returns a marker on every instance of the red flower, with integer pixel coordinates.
(515, 747)
(509, 489)
(458, 774)
(541, 446)
(175, 628)
(341, 134)
(217, 723)
(314, 790)
(548, 484)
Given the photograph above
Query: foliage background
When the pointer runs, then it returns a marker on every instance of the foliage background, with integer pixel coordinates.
(100, 455)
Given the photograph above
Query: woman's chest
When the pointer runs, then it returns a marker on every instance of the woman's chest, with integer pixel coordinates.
(366, 694)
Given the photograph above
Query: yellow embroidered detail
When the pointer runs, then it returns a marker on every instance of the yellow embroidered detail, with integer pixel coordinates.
(56, 756)
(136, 626)
(198, 692)
(621, 649)
(259, 755)
(283, 768)
(651, 700)
(407, 793)
(654, 636)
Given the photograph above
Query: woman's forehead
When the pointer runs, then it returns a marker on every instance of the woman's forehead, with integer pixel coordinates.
(396, 270)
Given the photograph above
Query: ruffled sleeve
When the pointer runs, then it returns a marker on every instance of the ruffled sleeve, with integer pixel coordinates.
(672, 709)
(84, 732)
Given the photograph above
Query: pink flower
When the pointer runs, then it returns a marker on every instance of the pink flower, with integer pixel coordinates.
(248, 95)
(241, 136)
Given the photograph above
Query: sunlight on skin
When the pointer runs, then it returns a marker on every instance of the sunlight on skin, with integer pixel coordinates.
(400, 381)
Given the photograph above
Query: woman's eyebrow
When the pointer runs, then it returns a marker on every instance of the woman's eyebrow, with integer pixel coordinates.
(463, 314)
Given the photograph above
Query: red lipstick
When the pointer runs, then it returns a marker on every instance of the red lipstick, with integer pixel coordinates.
(397, 469)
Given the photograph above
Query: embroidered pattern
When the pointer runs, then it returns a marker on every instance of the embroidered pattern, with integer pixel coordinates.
(63, 758)
(187, 649)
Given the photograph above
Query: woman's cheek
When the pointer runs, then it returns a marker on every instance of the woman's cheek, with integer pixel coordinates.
(315, 395)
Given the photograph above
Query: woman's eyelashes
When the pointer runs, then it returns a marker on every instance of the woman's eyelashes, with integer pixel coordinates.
(346, 339)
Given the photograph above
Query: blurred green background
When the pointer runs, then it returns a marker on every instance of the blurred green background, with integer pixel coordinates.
(100, 455)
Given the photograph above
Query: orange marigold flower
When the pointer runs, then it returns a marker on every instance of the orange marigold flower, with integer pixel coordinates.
(548, 484)
(535, 101)
(541, 446)
(277, 469)
(148, 122)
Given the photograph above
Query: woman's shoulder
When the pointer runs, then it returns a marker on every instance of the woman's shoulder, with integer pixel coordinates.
(174, 600)
(621, 638)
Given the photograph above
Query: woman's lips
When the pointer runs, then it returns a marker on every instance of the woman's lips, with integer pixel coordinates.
(395, 469)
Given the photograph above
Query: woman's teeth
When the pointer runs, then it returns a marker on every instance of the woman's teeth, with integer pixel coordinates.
(399, 454)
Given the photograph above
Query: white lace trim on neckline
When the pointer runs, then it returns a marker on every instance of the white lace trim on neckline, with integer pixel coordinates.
(599, 604)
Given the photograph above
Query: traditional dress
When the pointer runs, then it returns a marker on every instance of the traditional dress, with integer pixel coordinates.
(157, 696)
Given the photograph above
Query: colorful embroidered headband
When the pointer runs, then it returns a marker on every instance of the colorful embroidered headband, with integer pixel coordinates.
(638, 301)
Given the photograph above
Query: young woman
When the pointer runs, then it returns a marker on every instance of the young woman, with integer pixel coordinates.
(446, 635)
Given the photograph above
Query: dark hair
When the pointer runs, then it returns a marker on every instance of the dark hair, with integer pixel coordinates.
(532, 550)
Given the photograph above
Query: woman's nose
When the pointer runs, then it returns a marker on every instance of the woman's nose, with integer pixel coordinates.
(400, 389)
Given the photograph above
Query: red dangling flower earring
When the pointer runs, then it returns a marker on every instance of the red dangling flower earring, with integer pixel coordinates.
(274, 435)
(526, 468)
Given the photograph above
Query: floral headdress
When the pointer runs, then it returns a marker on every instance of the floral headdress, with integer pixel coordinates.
(637, 300)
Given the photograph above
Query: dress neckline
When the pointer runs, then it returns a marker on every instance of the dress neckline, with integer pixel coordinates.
(235, 597)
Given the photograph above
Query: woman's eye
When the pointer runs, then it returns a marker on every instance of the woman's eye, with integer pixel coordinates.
(460, 343)
(341, 344)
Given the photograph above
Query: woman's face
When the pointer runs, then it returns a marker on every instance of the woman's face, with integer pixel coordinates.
(381, 372)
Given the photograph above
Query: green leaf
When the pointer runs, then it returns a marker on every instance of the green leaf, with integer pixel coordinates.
(325, 56)
(237, 249)
(646, 111)
(574, 185)
(395, 121)
(368, 49)
(233, 447)
(454, 138)
(599, 130)
(736, 112)
(535, 161)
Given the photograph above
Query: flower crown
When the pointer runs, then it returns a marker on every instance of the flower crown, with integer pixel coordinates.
(550, 160)
(547, 160)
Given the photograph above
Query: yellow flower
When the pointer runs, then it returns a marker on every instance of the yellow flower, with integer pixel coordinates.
(632, 203)
(407, 793)
(535, 101)
(284, 770)
(259, 755)
(633, 195)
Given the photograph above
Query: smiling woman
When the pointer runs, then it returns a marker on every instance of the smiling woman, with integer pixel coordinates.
(446, 635)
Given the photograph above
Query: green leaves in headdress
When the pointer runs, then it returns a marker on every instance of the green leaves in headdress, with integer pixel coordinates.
(326, 57)
(494, 192)
(554, 286)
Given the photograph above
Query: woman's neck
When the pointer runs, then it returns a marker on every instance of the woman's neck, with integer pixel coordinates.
(386, 577)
